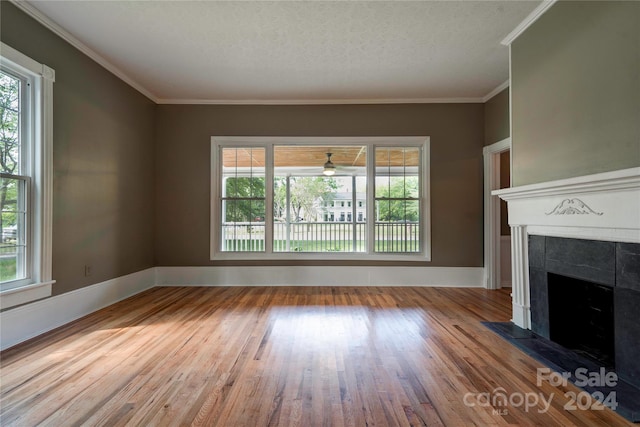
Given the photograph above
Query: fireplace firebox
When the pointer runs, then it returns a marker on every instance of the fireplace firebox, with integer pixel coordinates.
(581, 317)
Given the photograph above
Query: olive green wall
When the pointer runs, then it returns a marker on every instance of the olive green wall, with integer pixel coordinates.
(575, 85)
(132, 179)
(496, 118)
(183, 168)
(102, 161)
(496, 128)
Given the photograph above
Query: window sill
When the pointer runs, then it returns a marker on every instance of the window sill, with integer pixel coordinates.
(24, 294)
(318, 256)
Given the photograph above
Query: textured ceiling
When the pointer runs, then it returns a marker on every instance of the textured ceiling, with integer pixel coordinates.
(270, 51)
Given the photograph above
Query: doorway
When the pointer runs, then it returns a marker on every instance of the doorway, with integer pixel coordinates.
(497, 239)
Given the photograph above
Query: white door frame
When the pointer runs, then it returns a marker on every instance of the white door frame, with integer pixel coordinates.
(491, 155)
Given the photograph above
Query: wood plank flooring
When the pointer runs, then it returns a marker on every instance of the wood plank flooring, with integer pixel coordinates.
(280, 356)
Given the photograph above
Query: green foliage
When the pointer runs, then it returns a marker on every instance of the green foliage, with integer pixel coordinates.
(9, 201)
(307, 195)
(251, 192)
(389, 190)
(7, 269)
(9, 146)
(279, 197)
(9, 123)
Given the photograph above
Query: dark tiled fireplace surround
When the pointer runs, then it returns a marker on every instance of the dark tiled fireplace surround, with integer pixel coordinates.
(590, 268)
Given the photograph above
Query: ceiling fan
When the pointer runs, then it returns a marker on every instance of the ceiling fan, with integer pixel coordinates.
(329, 167)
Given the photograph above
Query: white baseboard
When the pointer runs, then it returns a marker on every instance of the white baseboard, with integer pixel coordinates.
(320, 276)
(22, 323)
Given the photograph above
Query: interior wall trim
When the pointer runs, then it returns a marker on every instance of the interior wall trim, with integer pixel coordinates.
(53, 26)
(492, 252)
(603, 206)
(58, 30)
(336, 101)
(528, 21)
(320, 276)
(496, 91)
(27, 321)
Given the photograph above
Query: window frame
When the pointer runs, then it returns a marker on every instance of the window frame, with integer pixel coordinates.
(220, 142)
(24, 201)
(37, 138)
(226, 198)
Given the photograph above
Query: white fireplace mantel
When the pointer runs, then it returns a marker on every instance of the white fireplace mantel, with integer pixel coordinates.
(604, 206)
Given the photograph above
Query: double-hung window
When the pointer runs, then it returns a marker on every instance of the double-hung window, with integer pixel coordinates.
(26, 90)
(243, 199)
(320, 198)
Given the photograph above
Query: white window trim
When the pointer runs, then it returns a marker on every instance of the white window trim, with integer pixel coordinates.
(39, 281)
(230, 141)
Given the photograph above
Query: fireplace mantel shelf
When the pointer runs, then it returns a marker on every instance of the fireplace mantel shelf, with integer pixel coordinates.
(603, 206)
(625, 179)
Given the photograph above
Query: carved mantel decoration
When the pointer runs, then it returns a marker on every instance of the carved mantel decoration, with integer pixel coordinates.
(573, 207)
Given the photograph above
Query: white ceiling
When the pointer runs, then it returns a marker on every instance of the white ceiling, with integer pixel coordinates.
(294, 51)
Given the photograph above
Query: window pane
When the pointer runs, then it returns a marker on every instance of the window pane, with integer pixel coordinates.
(243, 229)
(398, 229)
(314, 212)
(13, 226)
(245, 211)
(243, 203)
(244, 187)
(397, 156)
(397, 190)
(397, 187)
(395, 211)
(9, 124)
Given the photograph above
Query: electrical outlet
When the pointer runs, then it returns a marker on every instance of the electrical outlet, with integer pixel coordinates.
(87, 270)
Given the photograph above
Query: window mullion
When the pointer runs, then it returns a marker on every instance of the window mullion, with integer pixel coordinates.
(25, 207)
(288, 213)
(404, 193)
(354, 222)
(269, 216)
(370, 201)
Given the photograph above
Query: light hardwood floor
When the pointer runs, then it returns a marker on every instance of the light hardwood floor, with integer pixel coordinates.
(254, 356)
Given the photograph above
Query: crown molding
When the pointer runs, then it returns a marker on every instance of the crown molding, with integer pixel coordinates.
(526, 23)
(496, 91)
(321, 101)
(54, 27)
(51, 25)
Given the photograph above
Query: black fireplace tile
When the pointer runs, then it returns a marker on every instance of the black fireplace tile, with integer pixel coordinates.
(627, 334)
(539, 300)
(509, 331)
(628, 265)
(583, 259)
(563, 360)
(536, 252)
